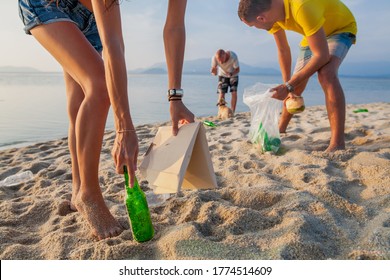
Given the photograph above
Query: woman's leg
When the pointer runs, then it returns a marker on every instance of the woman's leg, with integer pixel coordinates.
(75, 97)
(81, 61)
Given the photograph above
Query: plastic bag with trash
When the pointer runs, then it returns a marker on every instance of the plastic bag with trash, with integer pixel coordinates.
(265, 114)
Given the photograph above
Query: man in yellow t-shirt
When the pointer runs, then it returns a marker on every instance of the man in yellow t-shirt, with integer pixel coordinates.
(329, 29)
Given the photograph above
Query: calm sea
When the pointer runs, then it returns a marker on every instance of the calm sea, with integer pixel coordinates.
(33, 105)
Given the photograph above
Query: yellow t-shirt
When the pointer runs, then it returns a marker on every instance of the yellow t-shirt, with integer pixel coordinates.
(308, 16)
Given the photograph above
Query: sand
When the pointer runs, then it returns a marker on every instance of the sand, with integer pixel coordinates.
(299, 204)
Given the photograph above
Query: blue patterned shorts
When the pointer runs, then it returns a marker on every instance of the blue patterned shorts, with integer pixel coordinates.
(224, 83)
(38, 12)
(338, 44)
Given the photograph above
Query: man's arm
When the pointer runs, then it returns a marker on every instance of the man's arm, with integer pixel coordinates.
(236, 71)
(319, 48)
(214, 66)
(284, 54)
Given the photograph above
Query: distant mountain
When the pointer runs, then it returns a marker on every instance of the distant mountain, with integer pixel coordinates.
(154, 70)
(202, 67)
(366, 69)
(151, 70)
(13, 69)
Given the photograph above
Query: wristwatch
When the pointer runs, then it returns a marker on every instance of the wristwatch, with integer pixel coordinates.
(289, 87)
(175, 93)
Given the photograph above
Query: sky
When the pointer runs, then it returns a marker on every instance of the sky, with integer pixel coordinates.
(210, 25)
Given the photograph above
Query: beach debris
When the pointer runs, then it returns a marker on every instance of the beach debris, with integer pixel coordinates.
(138, 211)
(209, 123)
(265, 112)
(295, 104)
(265, 142)
(155, 200)
(360, 110)
(17, 179)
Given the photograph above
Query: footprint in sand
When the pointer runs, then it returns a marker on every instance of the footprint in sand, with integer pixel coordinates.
(386, 223)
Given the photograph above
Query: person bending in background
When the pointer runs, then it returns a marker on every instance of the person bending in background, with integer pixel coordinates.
(68, 30)
(329, 29)
(225, 64)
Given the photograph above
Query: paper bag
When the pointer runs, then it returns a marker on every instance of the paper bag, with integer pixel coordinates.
(179, 162)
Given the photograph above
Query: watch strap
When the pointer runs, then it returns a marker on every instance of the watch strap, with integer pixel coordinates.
(289, 87)
(175, 94)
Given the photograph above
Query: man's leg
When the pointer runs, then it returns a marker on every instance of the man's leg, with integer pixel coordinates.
(234, 101)
(221, 96)
(222, 88)
(335, 102)
(286, 116)
(233, 91)
(338, 45)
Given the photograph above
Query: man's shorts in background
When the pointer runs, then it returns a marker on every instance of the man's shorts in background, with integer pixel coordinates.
(38, 12)
(224, 83)
(338, 45)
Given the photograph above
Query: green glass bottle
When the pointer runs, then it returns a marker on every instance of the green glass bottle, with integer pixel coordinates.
(138, 211)
(209, 123)
(360, 110)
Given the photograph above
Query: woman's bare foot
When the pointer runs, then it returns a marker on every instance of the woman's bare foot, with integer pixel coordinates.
(95, 211)
(75, 192)
(72, 204)
(65, 208)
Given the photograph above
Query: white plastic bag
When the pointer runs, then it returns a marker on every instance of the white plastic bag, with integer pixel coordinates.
(265, 114)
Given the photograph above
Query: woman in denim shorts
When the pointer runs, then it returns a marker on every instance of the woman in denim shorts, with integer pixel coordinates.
(68, 29)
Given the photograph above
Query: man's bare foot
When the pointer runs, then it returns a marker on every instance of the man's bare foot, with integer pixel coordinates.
(332, 149)
(95, 211)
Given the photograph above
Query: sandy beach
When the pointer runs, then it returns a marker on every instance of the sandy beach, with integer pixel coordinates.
(299, 204)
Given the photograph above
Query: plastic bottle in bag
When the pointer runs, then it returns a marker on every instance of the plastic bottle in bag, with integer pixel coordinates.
(138, 211)
(265, 113)
(17, 179)
(265, 142)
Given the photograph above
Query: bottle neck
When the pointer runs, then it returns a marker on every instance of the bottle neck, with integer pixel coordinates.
(135, 187)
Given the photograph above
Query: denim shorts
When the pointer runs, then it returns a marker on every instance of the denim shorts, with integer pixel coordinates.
(38, 12)
(338, 46)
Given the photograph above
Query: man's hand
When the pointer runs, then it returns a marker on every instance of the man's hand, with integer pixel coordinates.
(280, 92)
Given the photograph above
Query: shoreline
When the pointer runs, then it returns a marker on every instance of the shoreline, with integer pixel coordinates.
(22, 144)
(299, 204)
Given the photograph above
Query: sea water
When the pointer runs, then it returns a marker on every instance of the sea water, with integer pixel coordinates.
(33, 105)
